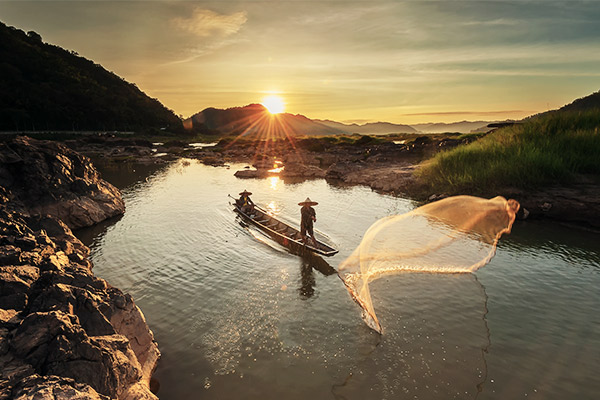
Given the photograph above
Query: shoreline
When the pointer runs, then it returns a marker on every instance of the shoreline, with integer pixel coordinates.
(385, 167)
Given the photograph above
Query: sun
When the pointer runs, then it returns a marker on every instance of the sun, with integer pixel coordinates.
(274, 104)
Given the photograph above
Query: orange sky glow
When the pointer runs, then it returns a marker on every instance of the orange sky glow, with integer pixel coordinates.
(402, 62)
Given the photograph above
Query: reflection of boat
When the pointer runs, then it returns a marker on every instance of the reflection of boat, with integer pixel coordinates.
(318, 263)
(285, 234)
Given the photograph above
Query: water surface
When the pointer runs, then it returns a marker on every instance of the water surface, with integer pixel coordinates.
(236, 316)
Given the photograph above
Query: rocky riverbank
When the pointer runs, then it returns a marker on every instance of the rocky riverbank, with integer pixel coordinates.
(64, 333)
(44, 177)
(386, 167)
(383, 165)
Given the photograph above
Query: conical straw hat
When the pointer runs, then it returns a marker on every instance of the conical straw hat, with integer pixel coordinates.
(245, 192)
(308, 202)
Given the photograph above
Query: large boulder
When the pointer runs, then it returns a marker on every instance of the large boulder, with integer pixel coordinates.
(44, 177)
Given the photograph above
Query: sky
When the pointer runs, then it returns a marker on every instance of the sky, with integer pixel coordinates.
(350, 61)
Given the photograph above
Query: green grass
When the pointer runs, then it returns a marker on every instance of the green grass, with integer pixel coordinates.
(552, 148)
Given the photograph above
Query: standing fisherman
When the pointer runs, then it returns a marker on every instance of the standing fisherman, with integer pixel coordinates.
(309, 216)
(245, 202)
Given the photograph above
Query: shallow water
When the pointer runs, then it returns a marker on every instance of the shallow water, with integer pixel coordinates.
(236, 316)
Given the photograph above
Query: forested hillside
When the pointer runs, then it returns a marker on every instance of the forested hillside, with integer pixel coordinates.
(44, 87)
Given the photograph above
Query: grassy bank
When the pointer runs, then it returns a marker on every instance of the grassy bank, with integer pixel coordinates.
(551, 148)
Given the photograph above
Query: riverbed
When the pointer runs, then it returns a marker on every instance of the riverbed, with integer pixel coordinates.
(237, 316)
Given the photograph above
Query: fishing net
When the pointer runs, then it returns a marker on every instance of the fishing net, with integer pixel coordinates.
(454, 235)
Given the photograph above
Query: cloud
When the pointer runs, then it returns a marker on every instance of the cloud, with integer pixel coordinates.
(192, 54)
(493, 22)
(206, 23)
(341, 17)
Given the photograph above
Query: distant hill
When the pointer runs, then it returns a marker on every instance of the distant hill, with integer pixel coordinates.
(460, 127)
(255, 119)
(591, 102)
(384, 128)
(45, 87)
(372, 128)
(583, 104)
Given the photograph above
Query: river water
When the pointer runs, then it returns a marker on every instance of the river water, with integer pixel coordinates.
(237, 316)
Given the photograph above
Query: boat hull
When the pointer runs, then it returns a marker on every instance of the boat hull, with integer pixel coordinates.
(284, 234)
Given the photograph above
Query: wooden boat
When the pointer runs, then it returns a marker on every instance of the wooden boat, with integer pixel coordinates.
(283, 233)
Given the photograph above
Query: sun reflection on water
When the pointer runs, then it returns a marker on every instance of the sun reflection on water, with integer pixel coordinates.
(272, 208)
(273, 181)
(277, 167)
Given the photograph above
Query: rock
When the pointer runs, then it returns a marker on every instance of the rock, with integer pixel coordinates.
(576, 204)
(3, 338)
(264, 164)
(129, 320)
(304, 171)
(63, 331)
(83, 303)
(301, 158)
(12, 371)
(523, 213)
(340, 170)
(36, 387)
(14, 286)
(61, 233)
(436, 197)
(16, 301)
(45, 177)
(53, 344)
(26, 242)
(117, 149)
(327, 159)
(214, 160)
(10, 255)
(448, 143)
(250, 173)
(9, 318)
(175, 143)
(421, 140)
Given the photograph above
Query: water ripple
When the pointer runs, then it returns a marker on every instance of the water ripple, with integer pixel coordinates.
(238, 317)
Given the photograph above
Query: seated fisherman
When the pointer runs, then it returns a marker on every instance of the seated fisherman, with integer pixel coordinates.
(245, 202)
(309, 216)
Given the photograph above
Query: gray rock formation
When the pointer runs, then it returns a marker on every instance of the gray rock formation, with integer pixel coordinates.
(45, 177)
(65, 333)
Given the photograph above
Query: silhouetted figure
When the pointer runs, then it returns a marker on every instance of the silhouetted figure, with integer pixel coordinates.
(245, 202)
(309, 216)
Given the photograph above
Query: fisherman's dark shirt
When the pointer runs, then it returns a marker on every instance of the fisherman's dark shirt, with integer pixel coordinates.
(307, 213)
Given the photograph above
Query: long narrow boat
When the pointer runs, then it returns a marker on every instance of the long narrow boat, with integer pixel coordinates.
(283, 233)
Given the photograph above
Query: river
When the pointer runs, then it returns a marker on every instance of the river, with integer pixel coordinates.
(237, 316)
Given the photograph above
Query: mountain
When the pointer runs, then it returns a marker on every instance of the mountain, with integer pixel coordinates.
(255, 119)
(372, 128)
(45, 87)
(460, 127)
(383, 128)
